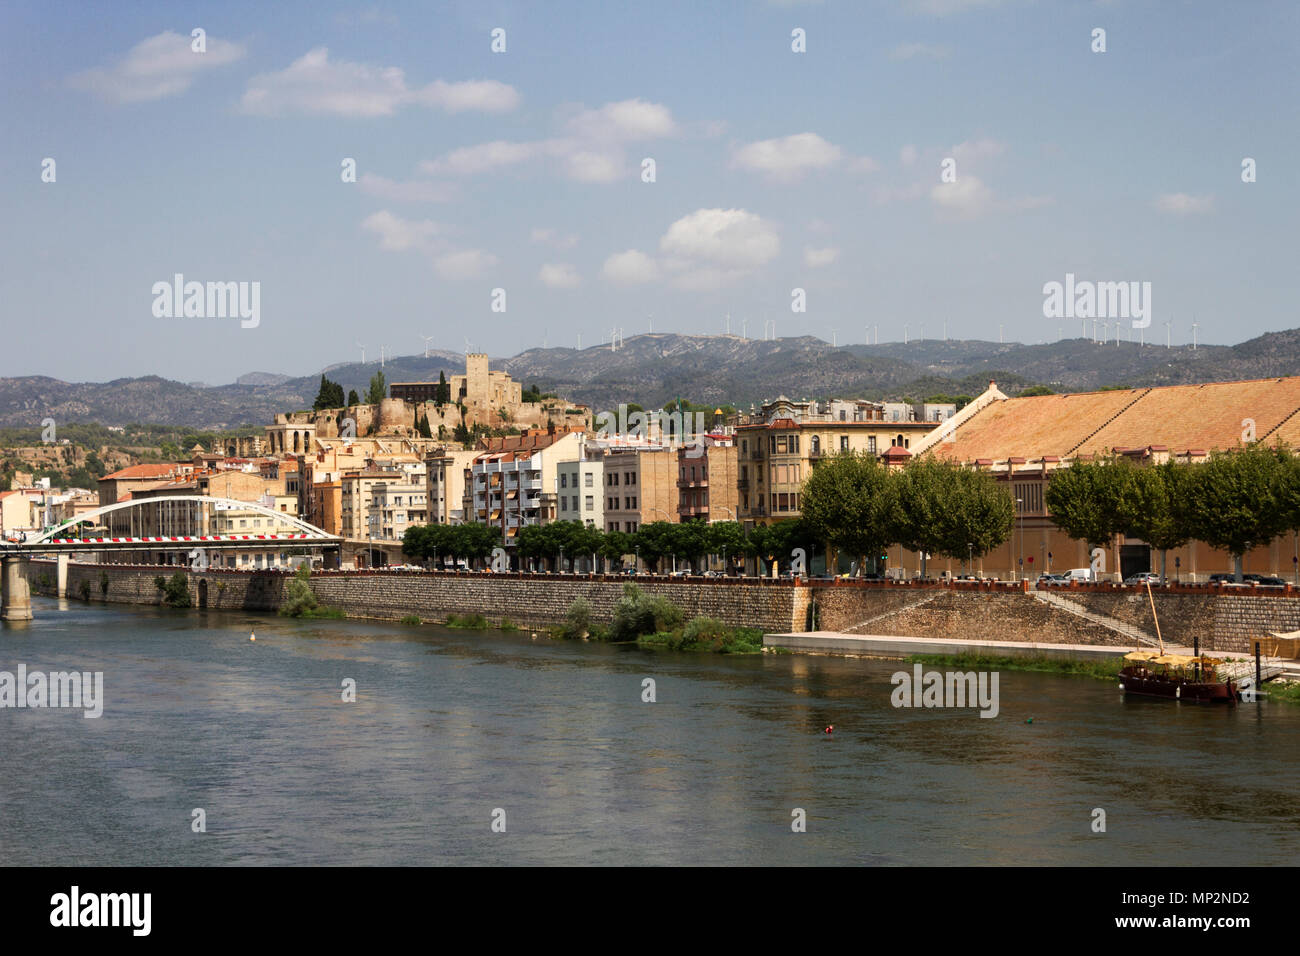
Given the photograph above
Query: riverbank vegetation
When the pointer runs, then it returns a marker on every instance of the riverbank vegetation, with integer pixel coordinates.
(300, 600)
(653, 621)
(469, 622)
(1059, 666)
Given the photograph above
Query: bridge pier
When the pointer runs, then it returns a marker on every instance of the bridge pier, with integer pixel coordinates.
(15, 595)
(62, 573)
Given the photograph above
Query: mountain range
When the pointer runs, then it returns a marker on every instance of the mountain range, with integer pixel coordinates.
(655, 368)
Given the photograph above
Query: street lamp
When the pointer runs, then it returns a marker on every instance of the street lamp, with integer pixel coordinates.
(970, 557)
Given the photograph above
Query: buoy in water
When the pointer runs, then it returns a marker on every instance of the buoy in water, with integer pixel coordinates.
(829, 728)
(252, 635)
(1029, 720)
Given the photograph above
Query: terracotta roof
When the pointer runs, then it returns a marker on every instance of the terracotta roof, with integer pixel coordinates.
(1211, 415)
(142, 471)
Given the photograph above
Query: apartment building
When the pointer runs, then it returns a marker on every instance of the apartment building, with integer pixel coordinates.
(396, 506)
(580, 491)
(706, 480)
(779, 445)
(640, 486)
(506, 484)
(445, 484)
(356, 495)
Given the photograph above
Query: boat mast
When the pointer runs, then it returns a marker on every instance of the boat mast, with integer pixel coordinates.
(1152, 597)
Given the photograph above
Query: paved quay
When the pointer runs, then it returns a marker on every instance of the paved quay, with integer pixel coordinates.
(892, 646)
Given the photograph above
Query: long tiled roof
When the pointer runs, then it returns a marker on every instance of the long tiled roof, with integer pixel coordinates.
(1179, 417)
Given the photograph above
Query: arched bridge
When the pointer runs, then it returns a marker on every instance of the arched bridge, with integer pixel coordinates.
(153, 514)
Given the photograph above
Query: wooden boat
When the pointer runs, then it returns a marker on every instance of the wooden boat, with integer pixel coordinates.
(1174, 676)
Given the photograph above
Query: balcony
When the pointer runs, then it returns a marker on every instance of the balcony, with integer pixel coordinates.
(692, 482)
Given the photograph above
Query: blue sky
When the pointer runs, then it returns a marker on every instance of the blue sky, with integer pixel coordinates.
(522, 171)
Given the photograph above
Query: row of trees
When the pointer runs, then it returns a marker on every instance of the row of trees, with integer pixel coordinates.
(656, 543)
(935, 507)
(330, 394)
(455, 542)
(1237, 500)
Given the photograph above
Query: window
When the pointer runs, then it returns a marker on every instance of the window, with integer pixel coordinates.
(744, 446)
(844, 443)
(631, 477)
(587, 480)
(613, 526)
(575, 502)
(871, 444)
(564, 480)
(564, 503)
(590, 502)
(794, 444)
(744, 473)
(780, 444)
(815, 445)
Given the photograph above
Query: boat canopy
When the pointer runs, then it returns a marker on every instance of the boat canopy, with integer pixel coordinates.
(1170, 660)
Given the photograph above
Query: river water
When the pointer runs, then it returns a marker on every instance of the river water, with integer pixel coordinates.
(449, 727)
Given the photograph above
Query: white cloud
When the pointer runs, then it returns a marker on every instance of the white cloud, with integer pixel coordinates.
(908, 51)
(410, 191)
(483, 158)
(591, 153)
(907, 155)
(559, 275)
(731, 238)
(585, 166)
(1182, 204)
(972, 150)
(624, 120)
(817, 258)
(967, 198)
(560, 240)
(630, 268)
(159, 66)
(789, 157)
(398, 234)
(467, 264)
(315, 84)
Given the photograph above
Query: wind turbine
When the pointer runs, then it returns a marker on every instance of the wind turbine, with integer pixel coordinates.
(728, 324)
(468, 347)
(744, 329)
(363, 353)
(1195, 326)
(1168, 323)
(427, 340)
(834, 342)
(904, 333)
(1000, 338)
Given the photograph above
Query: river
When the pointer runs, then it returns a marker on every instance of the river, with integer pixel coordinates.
(449, 727)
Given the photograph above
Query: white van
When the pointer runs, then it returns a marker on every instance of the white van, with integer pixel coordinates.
(1079, 574)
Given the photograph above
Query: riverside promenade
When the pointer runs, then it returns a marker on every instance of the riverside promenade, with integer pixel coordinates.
(895, 647)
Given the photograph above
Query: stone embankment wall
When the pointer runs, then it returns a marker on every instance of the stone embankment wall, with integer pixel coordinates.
(1225, 619)
(526, 600)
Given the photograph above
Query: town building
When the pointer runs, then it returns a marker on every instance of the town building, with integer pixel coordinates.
(640, 485)
(707, 473)
(779, 445)
(506, 484)
(580, 491)
(1024, 441)
(445, 482)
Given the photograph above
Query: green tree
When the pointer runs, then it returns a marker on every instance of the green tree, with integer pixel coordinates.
(1155, 508)
(378, 390)
(299, 598)
(353, 397)
(848, 502)
(1086, 500)
(726, 538)
(329, 396)
(1237, 500)
(442, 394)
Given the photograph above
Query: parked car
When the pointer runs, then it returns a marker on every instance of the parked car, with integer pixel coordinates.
(1228, 578)
(1052, 580)
(1080, 574)
(1142, 577)
(1264, 580)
